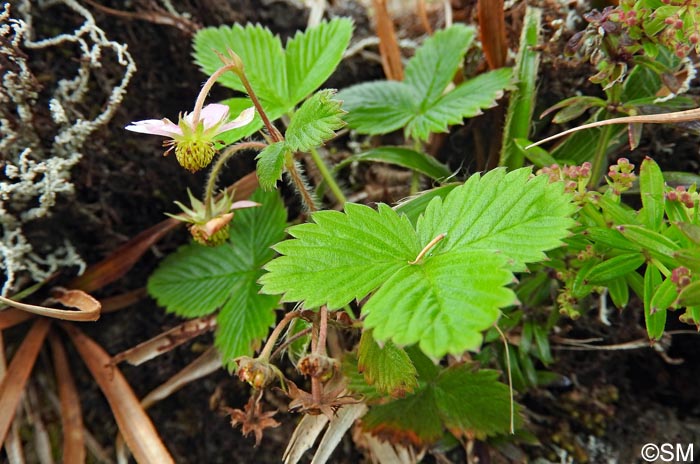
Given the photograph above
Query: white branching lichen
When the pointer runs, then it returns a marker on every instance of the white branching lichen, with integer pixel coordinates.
(35, 172)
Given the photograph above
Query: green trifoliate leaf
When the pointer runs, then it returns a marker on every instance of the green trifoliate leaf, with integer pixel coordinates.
(518, 216)
(388, 368)
(341, 256)
(459, 399)
(261, 52)
(379, 107)
(278, 76)
(271, 164)
(436, 62)
(466, 101)
(443, 304)
(197, 280)
(312, 56)
(315, 122)
(419, 103)
(443, 300)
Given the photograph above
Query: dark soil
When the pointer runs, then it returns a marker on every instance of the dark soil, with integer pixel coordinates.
(123, 186)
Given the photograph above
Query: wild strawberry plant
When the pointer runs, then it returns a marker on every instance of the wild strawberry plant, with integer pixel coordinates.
(422, 284)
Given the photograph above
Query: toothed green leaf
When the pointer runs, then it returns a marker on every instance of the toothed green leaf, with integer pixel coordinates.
(388, 368)
(419, 103)
(443, 300)
(459, 399)
(436, 61)
(315, 122)
(270, 165)
(312, 56)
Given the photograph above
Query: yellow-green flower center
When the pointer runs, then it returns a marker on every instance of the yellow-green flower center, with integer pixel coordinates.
(194, 153)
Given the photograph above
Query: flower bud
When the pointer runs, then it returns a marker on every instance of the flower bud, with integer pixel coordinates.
(256, 372)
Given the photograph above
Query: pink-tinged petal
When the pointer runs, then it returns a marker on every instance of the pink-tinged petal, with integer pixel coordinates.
(163, 127)
(244, 204)
(213, 114)
(243, 119)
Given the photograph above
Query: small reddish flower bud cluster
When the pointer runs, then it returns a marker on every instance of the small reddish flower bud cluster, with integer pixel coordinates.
(628, 17)
(574, 176)
(621, 176)
(567, 304)
(586, 254)
(681, 277)
(688, 199)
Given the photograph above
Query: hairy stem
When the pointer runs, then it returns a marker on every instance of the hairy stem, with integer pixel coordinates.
(328, 177)
(205, 91)
(274, 133)
(300, 184)
(272, 339)
(227, 154)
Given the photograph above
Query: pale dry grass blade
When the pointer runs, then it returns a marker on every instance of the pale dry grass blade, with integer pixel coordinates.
(207, 363)
(166, 341)
(304, 437)
(344, 418)
(663, 118)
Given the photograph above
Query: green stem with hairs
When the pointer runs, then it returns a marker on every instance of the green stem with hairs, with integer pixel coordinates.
(227, 154)
(328, 177)
(298, 180)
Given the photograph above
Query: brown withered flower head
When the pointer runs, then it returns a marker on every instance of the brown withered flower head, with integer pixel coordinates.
(328, 402)
(252, 418)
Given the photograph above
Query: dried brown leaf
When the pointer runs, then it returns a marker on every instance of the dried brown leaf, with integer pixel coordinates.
(12, 317)
(139, 433)
(388, 45)
(492, 32)
(88, 307)
(15, 378)
(166, 341)
(71, 414)
(252, 418)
